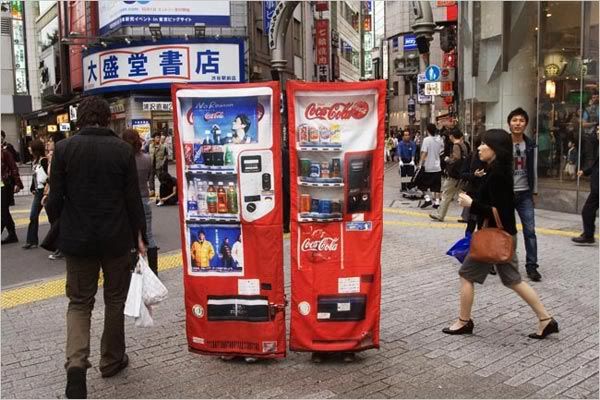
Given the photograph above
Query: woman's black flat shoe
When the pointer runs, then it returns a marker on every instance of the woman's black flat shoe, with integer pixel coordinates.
(463, 330)
(552, 327)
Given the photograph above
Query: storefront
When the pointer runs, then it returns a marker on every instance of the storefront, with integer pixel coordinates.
(136, 78)
(543, 58)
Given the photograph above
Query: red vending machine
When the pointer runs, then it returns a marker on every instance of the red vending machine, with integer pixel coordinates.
(336, 166)
(229, 182)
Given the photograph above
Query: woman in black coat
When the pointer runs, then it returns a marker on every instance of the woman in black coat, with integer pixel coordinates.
(496, 191)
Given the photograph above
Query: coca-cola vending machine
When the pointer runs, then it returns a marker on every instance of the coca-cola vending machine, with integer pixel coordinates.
(336, 172)
(229, 183)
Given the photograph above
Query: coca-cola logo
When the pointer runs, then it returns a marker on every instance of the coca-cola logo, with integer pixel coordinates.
(356, 110)
(210, 116)
(319, 241)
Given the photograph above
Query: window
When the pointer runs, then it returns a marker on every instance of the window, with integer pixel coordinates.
(395, 88)
(349, 54)
(297, 34)
(349, 15)
(407, 87)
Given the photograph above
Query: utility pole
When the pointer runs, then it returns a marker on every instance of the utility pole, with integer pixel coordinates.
(423, 28)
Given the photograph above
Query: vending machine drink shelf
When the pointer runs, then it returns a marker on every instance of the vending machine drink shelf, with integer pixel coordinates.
(333, 183)
(307, 147)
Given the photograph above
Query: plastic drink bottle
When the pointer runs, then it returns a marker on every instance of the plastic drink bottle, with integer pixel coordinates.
(221, 199)
(232, 206)
(211, 198)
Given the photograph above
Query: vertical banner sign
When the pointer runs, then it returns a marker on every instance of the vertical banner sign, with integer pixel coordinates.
(230, 209)
(336, 167)
(322, 38)
(268, 10)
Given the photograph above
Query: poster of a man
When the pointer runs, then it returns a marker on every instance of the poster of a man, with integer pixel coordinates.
(212, 238)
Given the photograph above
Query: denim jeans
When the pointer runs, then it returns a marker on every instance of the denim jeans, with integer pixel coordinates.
(525, 209)
(34, 217)
(148, 213)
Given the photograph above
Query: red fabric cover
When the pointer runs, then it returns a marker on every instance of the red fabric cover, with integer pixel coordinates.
(357, 254)
(263, 260)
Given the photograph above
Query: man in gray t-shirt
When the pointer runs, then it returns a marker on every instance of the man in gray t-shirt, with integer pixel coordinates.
(431, 175)
(524, 187)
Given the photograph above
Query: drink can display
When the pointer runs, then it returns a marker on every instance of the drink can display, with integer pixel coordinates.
(303, 133)
(314, 134)
(188, 151)
(325, 206)
(336, 134)
(305, 165)
(324, 134)
(324, 169)
(305, 203)
(336, 168)
(314, 205)
(198, 158)
(315, 170)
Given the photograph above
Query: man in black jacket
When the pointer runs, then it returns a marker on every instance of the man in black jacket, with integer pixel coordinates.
(95, 195)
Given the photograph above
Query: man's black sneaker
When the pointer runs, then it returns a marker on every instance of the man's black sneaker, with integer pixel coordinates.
(583, 240)
(534, 275)
(426, 204)
(10, 239)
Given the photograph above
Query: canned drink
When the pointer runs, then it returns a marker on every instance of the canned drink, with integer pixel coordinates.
(315, 170)
(198, 158)
(325, 206)
(314, 134)
(305, 165)
(314, 205)
(305, 203)
(336, 134)
(303, 133)
(336, 207)
(324, 134)
(324, 169)
(336, 168)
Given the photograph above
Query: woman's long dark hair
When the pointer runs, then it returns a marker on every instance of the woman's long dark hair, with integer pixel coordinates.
(500, 141)
(38, 149)
(132, 137)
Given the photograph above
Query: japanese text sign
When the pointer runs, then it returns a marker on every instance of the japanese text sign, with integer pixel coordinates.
(158, 65)
(322, 38)
(116, 14)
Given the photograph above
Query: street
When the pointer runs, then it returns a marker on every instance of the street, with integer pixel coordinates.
(419, 298)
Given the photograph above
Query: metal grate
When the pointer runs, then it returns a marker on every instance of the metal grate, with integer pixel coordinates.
(5, 26)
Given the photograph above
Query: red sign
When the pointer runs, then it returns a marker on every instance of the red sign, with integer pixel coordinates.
(321, 5)
(322, 38)
(345, 111)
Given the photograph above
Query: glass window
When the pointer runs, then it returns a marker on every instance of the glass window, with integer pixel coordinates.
(49, 34)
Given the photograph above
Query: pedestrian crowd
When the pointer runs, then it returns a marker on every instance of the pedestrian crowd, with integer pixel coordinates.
(97, 186)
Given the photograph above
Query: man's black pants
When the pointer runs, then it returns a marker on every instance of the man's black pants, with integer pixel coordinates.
(588, 214)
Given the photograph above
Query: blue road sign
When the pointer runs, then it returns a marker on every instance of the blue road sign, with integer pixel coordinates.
(433, 73)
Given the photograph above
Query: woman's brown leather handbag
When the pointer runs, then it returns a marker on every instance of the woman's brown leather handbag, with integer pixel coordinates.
(492, 245)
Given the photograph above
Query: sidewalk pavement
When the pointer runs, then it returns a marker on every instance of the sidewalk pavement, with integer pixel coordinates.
(419, 298)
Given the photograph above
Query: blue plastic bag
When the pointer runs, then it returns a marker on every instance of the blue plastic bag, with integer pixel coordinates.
(460, 249)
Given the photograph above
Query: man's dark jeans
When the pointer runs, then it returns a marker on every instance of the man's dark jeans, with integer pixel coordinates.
(7, 221)
(588, 214)
(525, 209)
(34, 217)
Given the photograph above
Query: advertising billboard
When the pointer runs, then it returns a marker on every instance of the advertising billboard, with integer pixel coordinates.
(116, 14)
(158, 65)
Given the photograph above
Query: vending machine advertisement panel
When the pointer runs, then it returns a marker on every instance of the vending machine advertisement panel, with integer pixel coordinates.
(336, 133)
(229, 183)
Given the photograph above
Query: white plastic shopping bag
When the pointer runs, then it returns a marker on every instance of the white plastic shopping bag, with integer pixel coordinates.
(145, 320)
(133, 303)
(153, 290)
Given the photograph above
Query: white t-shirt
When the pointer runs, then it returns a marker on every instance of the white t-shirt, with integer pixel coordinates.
(433, 146)
(520, 167)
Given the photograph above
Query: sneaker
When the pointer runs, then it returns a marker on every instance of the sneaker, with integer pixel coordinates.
(317, 358)
(533, 274)
(426, 204)
(583, 240)
(160, 203)
(462, 221)
(227, 358)
(122, 365)
(435, 217)
(57, 255)
(349, 357)
(436, 204)
(28, 246)
(250, 360)
(493, 270)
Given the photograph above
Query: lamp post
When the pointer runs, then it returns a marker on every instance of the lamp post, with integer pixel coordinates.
(423, 28)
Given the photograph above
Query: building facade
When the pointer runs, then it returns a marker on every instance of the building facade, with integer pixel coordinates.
(543, 57)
